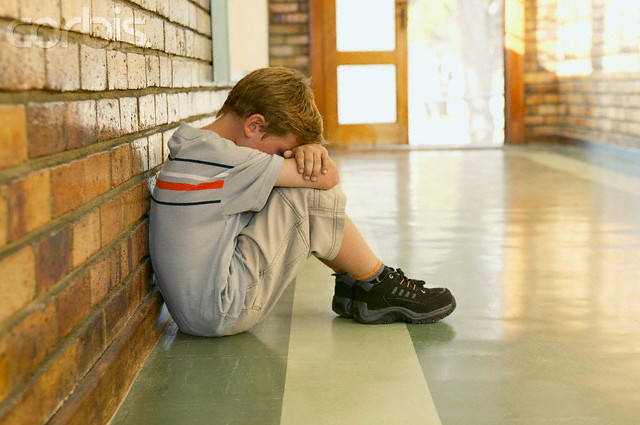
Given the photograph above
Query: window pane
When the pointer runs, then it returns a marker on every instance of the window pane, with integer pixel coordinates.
(366, 94)
(365, 25)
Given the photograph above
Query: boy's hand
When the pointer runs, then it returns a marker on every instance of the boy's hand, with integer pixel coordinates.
(311, 159)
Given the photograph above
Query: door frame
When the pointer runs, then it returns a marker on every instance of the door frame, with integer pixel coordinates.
(324, 59)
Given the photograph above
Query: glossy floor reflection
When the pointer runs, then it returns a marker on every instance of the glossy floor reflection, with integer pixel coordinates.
(540, 245)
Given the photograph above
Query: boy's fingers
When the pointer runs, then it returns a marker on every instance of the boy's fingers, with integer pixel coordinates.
(300, 161)
(308, 166)
(287, 154)
(325, 162)
(317, 166)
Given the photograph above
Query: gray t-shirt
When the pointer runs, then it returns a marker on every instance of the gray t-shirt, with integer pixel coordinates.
(206, 193)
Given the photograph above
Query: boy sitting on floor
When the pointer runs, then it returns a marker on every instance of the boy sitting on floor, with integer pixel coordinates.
(240, 205)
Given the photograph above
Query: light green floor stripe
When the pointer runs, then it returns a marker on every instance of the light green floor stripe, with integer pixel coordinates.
(343, 372)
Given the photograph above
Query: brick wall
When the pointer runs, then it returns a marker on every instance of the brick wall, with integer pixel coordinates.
(582, 72)
(90, 91)
(289, 34)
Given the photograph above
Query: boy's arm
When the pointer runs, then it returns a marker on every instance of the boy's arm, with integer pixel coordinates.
(308, 166)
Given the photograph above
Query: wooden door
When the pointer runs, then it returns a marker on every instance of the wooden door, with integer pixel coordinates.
(360, 77)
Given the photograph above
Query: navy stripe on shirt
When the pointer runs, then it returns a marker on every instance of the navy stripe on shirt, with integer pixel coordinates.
(198, 161)
(214, 201)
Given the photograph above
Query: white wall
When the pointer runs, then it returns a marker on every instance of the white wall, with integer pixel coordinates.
(248, 36)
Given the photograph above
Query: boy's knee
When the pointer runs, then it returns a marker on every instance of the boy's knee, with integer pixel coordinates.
(332, 199)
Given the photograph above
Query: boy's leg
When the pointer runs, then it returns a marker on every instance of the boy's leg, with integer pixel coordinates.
(355, 256)
(294, 224)
(370, 292)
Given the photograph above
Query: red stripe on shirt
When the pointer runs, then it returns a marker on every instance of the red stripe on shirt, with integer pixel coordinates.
(162, 184)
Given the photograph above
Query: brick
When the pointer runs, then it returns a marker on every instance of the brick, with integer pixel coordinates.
(132, 205)
(203, 22)
(127, 27)
(102, 19)
(117, 70)
(170, 38)
(180, 41)
(102, 278)
(23, 411)
(166, 136)
(153, 71)
(97, 173)
(67, 186)
(120, 164)
(165, 72)
(179, 11)
(33, 340)
(136, 76)
(111, 220)
(90, 344)
(141, 242)
(162, 7)
(108, 115)
(115, 314)
(45, 129)
(86, 237)
(140, 153)
(155, 150)
(80, 124)
(18, 283)
(189, 46)
(63, 71)
(55, 383)
(53, 259)
(5, 367)
(185, 110)
(76, 15)
(129, 114)
(289, 7)
(35, 10)
(161, 108)
(93, 68)
(125, 258)
(29, 203)
(9, 9)
(203, 48)
(21, 62)
(147, 108)
(73, 304)
(149, 30)
(146, 197)
(4, 216)
(173, 107)
(14, 148)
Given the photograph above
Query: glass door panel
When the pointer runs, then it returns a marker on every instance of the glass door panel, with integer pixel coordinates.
(365, 25)
(366, 94)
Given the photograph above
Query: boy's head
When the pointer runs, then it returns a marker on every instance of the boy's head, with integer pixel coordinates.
(284, 97)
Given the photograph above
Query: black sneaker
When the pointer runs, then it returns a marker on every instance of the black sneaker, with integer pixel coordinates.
(396, 297)
(342, 297)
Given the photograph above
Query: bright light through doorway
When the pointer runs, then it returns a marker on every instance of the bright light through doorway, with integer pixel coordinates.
(456, 77)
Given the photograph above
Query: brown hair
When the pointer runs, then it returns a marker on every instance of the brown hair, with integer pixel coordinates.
(283, 96)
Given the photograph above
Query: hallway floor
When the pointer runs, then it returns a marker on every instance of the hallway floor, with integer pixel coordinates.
(540, 246)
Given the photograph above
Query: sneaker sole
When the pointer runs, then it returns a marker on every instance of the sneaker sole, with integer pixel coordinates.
(393, 314)
(342, 306)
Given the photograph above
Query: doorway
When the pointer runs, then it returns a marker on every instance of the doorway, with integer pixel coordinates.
(424, 72)
(455, 73)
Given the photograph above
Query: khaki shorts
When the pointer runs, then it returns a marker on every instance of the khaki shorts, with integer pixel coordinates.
(294, 224)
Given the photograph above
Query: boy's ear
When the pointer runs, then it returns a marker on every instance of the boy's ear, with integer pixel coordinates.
(253, 126)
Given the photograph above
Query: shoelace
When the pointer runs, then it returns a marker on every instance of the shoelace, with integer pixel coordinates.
(413, 284)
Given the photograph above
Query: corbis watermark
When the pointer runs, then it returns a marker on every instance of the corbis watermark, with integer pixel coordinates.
(119, 29)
